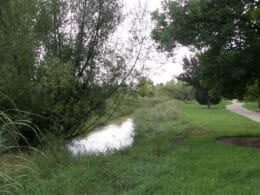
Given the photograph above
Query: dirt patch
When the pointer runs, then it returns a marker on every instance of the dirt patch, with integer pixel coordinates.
(243, 141)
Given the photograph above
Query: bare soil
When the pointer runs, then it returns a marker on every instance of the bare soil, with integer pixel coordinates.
(243, 141)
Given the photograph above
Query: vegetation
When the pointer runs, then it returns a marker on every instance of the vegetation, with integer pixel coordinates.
(60, 77)
(205, 93)
(178, 91)
(56, 65)
(173, 153)
(144, 87)
(252, 93)
(225, 35)
(252, 106)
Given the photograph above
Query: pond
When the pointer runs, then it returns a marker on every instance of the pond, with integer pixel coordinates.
(109, 138)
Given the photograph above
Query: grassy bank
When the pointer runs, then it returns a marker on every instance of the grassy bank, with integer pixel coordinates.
(252, 106)
(175, 152)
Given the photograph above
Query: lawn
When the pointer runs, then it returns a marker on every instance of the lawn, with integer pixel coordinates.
(174, 153)
(252, 106)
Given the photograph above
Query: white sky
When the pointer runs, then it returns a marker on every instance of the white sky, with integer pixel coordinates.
(160, 68)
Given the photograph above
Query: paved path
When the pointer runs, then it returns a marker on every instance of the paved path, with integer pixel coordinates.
(238, 108)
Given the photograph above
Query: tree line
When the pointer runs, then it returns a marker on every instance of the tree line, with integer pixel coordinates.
(225, 35)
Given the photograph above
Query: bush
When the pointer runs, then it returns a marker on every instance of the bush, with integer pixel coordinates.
(150, 121)
(60, 103)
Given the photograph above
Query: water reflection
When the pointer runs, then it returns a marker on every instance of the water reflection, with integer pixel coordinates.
(109, 138)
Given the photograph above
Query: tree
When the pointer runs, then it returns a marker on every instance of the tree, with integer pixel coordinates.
(82, 52)
(179, 90)
(205, 92)
(55, 63)
(225, 32)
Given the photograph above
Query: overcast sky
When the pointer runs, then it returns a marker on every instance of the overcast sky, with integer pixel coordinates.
(160, 68)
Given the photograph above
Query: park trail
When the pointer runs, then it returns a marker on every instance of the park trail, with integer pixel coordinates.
(237, 107)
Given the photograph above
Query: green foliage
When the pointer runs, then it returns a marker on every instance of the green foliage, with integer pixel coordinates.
(55, 65)
(204, 98)
(251, 92)
(144, 87)
(179, 90)
(183, 92)
(17, 51)
(227, 41)
(205, 92)
(255, 15)
(154, 120)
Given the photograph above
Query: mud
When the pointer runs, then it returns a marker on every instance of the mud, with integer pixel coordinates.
(243, 141)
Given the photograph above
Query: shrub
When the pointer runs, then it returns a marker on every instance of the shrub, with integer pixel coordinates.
(152, 120)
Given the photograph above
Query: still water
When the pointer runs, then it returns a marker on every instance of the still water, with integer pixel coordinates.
(109, 138)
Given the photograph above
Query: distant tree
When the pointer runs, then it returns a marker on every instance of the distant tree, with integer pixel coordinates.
(144, 87)
(205, 92)
(182, 91)
(179, 90)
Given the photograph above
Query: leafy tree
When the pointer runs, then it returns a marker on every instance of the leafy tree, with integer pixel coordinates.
(225, 32)
(205, 92)
(55, 63)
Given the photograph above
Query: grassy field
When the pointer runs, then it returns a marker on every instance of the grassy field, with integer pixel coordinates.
(252, 106)
(175, 152)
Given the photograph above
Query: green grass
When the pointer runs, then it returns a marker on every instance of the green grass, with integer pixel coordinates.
(252, 106)
(175, 153)
(217, 121)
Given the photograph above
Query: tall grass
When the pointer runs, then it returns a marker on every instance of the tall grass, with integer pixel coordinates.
(12, 161)
(19, 173)
(159, 162)
(10, 131)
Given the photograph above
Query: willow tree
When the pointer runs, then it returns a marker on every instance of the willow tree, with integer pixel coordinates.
(56, 63)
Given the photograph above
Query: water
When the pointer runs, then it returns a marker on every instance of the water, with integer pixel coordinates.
(109, 138)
